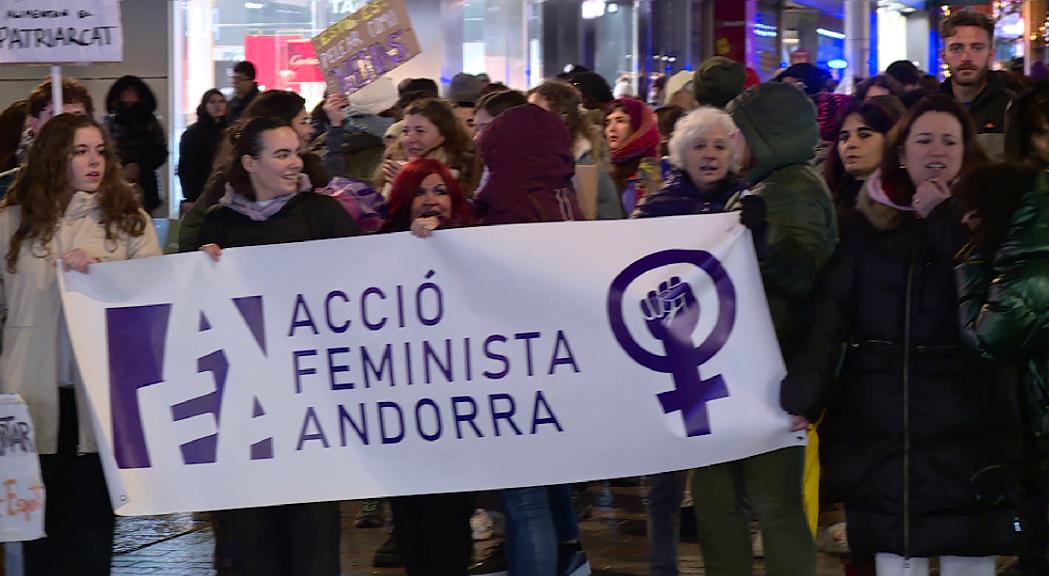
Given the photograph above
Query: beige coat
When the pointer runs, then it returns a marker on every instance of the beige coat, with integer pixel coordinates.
(30, 299)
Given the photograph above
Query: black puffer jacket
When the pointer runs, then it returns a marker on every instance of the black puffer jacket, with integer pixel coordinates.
(914, 414)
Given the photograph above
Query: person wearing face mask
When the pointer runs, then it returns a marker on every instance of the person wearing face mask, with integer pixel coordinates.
(702, 179)
(141, 144)
(430, 130)
(633, 138)
(282, 104)
(69, 207)
(968, 51)
(915, 422)
(199, 144)
(860, 138)
(268, 200)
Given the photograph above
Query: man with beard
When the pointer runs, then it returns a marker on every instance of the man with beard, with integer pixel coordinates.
(968, 47)
(139, 138)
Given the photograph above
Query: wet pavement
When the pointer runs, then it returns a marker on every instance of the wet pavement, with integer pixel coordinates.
(614, 540)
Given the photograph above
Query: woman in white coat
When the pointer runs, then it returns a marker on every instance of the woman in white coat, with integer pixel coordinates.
(69, 207)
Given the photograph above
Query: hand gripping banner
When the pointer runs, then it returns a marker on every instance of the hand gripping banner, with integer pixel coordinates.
(390, 365)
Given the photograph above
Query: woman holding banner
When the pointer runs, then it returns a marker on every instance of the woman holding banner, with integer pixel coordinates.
(432, 531)
(268, 200)
(289, 107)
(69, 207)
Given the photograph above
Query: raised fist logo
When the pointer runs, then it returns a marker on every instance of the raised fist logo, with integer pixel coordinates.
(671, 314)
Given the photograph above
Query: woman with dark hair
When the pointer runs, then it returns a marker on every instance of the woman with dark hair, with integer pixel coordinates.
(633, 138)
(69, 207)
(1027, 128)
(287, 106)
(913, 417)
(430, 130)
(860, 139)
(268, 200)
(200, 143)
(141, 144)
(880, 85)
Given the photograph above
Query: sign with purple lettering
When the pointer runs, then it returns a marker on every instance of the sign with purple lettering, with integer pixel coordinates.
(397, 369)
(360, 48)
(57, 31)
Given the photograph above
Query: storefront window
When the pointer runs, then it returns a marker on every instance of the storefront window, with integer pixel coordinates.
(502, 38)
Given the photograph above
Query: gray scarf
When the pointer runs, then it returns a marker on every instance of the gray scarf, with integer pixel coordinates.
(256, 211)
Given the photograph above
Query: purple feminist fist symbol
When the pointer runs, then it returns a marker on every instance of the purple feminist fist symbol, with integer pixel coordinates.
(671, 314)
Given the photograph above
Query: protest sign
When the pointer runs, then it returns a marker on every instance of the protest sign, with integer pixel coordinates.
(57, 31)
(360, 48)
(388, 365)
(21, 488)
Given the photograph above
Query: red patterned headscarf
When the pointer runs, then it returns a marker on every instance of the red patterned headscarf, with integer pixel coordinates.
(644, 140)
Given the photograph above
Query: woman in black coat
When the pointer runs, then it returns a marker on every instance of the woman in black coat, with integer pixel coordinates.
(914, 419)
(268, 200)
(141, 144)
(200, 143)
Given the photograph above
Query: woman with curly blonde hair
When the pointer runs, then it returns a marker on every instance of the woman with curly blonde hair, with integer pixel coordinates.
(69, 206)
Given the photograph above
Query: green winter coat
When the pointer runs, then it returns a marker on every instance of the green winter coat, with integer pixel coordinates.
(1005, 305)
(779, 124)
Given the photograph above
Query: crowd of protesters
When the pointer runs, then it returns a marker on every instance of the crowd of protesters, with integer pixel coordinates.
(902, 233)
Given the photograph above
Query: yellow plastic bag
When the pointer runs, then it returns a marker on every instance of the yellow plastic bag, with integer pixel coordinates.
(811, 479)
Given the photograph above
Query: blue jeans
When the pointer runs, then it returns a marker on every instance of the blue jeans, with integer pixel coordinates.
(537, 520)
(663, 502)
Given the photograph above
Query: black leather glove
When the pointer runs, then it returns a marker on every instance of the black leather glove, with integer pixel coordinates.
(754, 215)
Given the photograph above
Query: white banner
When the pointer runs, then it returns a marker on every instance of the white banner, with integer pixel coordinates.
(60, 31)
(21, 488)
(385, 365)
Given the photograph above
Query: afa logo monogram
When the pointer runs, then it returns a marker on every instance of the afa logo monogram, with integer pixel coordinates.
(671, 314)
(137, 341)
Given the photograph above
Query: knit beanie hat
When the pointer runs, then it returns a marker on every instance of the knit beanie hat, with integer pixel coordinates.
(718, 81)
(377, 97)
(829, 111)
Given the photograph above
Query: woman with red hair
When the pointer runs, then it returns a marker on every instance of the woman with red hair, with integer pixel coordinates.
(432, 531)
(426, 196)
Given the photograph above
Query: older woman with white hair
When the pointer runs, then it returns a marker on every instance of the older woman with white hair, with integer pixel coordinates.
(702, 180)
(703, 176)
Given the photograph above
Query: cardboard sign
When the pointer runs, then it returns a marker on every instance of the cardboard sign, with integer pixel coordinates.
(360, 48)
(21, 488)
(57, 31)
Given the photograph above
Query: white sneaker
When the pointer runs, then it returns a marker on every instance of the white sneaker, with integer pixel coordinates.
(758, 544)
(481, 525)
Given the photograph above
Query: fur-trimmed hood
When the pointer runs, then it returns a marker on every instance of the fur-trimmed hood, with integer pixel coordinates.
(881, 215)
